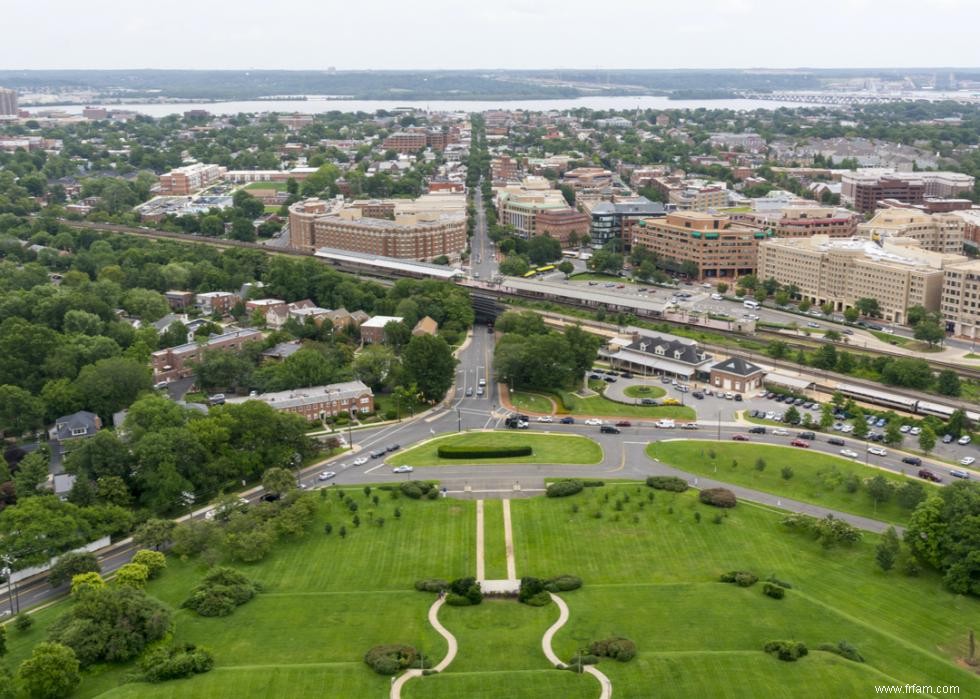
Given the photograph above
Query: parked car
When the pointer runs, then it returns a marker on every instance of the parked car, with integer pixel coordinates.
(402, 469)
(959, 473)
(757, 430)
(915, 431)
(479, 390)
(594, 377)
(912, 460)
(928, 475)
(326, 476)
(738, 397)
(740, 438)
(800, 443)
(729, 395)
(877, 451)
(780, 398)
(881, 422)
(469, 391)
(608, 429)
(905, 429)
(965, 439)
(836, 441)
(849, 453)
(698, 395)
(609, 379)
(567, 421)
(648, 401)
(947, 438)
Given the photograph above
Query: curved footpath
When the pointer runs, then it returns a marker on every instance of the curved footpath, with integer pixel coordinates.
(604, 683)
(396, 686)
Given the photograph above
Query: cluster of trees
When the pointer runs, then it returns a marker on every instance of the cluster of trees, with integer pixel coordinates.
(943, 535)
(524, 255)
(529, 355)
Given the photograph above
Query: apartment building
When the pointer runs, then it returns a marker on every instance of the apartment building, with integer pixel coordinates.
(971, 226)
(612, 219)
(504, 168)
(318, 402)
(863, 189)
(173, 362)
(373, 330)
(699, 197)
(936, 232)
(562, 224)
(216, 301)
(751, 142)
(520, 205)
(803, 221)
(961, 298)
(8, 102)
(721, 248)
(897, 271)
(189, 179)
(406, 141)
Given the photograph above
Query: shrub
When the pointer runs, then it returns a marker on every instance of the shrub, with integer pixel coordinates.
(563, 583)
(502, 452)
(790, 651)
(717, 497)
(392, 658)
(843, 649)
(621, 649)
(220, 592)
(672, 483)
(533, 592)
(173, 663)
(454, 600)
(417, 489)
(468, 588)
(593, 484)
(742, 578)
(774, 591)
(154, 561)
(580, 659)
(132, 575)
(431, 585)
(86, 581)
(23, 621)
(564, 488)
(776, 581)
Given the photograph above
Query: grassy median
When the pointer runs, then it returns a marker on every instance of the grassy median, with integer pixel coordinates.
(547, 449)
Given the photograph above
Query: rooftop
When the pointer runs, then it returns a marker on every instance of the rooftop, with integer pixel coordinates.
(305, 396)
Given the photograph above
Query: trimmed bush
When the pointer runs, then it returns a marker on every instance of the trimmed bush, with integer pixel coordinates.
(154, 561)
(454, 600)
(23, 621)
(561, 489)
(593, 484)
(173, 663)
(468, 588)
(742, 578)
(617, 648)
(501, 452)
(431, 585)
(717, 497)
(774, 591)
(563, 583)
(220, 592)
(533, 592)
(418, 489)
(392, 658)
(671, 483)
(843, 649)
(789, 651)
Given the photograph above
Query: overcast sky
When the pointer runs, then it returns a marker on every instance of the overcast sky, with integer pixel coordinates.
(315, 34)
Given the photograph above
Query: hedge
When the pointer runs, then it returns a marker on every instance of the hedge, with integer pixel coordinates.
(418, 489)
(561, 489)
(432, 585)
(185, 660)
(742, 578)
(672, 483)
(221, 590)
(621, 649)
(843, 649)
(718, 497)
(393, 658)
(500, 452)
(789, 651)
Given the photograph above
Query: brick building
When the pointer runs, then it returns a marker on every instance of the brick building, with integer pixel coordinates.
(189, 179)
(173, 362)
(319, 402)
(560, 224)
(406, 141)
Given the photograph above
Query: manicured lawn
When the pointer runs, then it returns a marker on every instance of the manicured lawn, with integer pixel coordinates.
(905, 342)
(817, 478)
(644, 391)
(278, 186)
(532, 402)
(547, 449)
(650, 572)
(385, 402)
(602, 406)
(494, 546)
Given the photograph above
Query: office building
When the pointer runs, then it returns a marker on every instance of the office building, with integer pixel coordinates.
(520, 205)
(803, 221)
(936, 232)
(406, 141)
(863, 189)
(961, 298)
(562, 225)
(189, 179)
(8, 102)
(699, 197)
(611, 219)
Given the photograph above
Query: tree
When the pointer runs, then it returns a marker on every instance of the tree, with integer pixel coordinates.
(861, 427)
(792, 416)
(605, 261)
(72, 564)
(760, 294)
(868, 307)
(429, 364)
(851, 314)
(109, 385)
(154, 533)
(893, 433)
(278, 481)
(3, 641)
(222, 369)
(827, 308)
(887, 550)
(542, 249)
(374, 365)
(32, 473)
(515, 266)
(242, 229)
(250, 207)
(931, 331)
(566, 268)
(948, 383)
(927, 440)
(804, 305)
(956, 424)
(51, 672)
(832, 336)
(781, 298)
(722, 287)
(86, 581)
(145, 304)
(880, 489)
(826, 357)
(132, 575)
(175, 334)
(19, 411)
(154, 561)
(916, 314)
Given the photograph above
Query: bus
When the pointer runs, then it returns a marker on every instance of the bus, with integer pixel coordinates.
(530, 273)
(546, 268)
(750, 304)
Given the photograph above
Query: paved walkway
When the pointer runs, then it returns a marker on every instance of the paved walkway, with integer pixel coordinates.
(549, 652)
(480, 563)
(509, 542)
(452, 648)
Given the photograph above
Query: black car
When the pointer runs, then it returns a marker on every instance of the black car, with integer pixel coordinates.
(594, 377)
(648, 401)
(836, 441)
(270, 497)
(377, 454)
(799, 401)
(610, 379)
(757, 430)
(609, 429)
(627, 375)
(806, 435)
(394, 447)
(780, 398)
(738, 397)
(698, 395)
(567, 421)
(912, 460)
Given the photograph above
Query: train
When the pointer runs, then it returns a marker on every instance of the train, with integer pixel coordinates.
(908, 404)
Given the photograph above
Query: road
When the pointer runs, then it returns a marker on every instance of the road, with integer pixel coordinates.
(483, 253)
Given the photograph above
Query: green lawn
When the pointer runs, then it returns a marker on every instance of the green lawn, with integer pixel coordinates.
(494, 546)
(546, 449)
(650, 573)
(817, 477)
(644, 391)
(602, 278)
(532, 402)
(278, 186)
(905, 342)
(601, 406)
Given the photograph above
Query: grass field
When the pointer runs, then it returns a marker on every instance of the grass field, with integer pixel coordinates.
(532, 402)
(278, 186)
(602, 406)
(546, 449)
(817, 478)
(644, 391)
(654, 580)
(494, 546)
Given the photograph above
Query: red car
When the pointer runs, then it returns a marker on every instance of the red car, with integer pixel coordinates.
(624, 423)
(740, 438)
(800, 443)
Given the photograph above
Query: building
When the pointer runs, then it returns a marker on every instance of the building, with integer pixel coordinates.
(587, 178)
(246, 176)
(504, 168)
(406, 142)
(699, 197)
(179, 300)
(751, 142)
(520, 205)
(563, 224)
(804, 221)
(283, 350)
(425, 326)
(896, 272)
(706, 246)
(737, 375)
(961, 298)
(373, 330)
(319, 402)
(614, 122)
(658, 354)
(863, 189)
(8, 102)
(216, 301)
(609, 219)
(971, 226)
(75, 426)
(174, 362)
(937, 232)
(189, 179)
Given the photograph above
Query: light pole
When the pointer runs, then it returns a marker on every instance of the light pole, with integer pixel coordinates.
(459, 420)
(719, 425)
(12, 596)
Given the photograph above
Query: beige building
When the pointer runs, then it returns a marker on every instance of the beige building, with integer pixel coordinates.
(186, 180)
(520, 205)
(934, 232)
(699, 198)
(897, 272)
(961, 298)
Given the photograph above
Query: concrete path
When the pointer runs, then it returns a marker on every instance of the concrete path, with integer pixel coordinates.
(480, 564)
(509, 542)
(549, 652)
(452, 648)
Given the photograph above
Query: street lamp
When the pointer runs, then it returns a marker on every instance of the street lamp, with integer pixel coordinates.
(459, 420)
(12, 596)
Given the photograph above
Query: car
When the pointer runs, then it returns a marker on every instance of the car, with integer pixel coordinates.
(800, 443)
(716, 297)
(698, 395)
(757, 430)
(393, 447)
(593, 283)
(915, 431)
(665, 379)
(545, 418)
(490, 328)
(609, 379)
(847, 331)
(959, 473)
(807, 405)
(837, 426)
(780, 432)
(738, 397)
(811, 324)
(594, 377)
(740, 438)
(689, 426)
(947, 438)
(912, 460)
(849, 453)
(729, 395)
(964, 440)
(664, 423)
(270, 497)
(799, 401)
(876, 437)
(326, 476)
(624, 423)
(378, 453)
(806, 435)
(479, 390)
(928, 475)
(216, 399)
(682, 388)
(869, 420)
(755, 413)
(877, 451)
(770, 415)
(360, 461)
(648, 401)
(905, 429)
(670, 401)
(402, 469)
(836, 441)
(161, 385)
(567, 421)
(608, 429)
(779, 398)
(881, 422)
(593, 421)
(847, 429)
(627, 375)
(469, 391)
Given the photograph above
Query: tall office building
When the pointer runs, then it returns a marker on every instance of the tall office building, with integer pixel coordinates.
(8, 102)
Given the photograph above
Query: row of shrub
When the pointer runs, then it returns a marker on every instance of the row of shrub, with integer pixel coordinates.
(570, 486)
(717, 497)
(843, 649)
(474, 452)
(416, 490)
(671, 483)
(617, 648)
(773, 587)
(220, 592)
(392, 658)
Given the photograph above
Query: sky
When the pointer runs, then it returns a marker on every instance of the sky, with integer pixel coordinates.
(432, 34)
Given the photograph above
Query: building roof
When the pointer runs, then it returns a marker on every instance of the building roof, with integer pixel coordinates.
(737, 366)
(244, 333)
(630, 208)
(80, 424)
(283, 350)
(419, 269)
(669, 348)
(426, 325)
(299, 397)
(653, 362)
(381, 321)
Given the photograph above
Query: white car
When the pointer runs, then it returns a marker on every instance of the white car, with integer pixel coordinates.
(849, 453)
(965, 439)
(593, 421)
(838, 426)
(360, 461)
(770, 415)
(545, 418)
(877, 451)
(716, 297)
(326, 476)
(780, 432)
(847, 429)
(915, 431)
(402, 469)
(665, 424)
(967, 460)
(905, 429)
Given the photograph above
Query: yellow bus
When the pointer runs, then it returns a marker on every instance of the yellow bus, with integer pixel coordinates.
(530, 273)
(546, 268)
